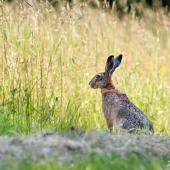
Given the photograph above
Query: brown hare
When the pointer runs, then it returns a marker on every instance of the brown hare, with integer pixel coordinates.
(117, 108)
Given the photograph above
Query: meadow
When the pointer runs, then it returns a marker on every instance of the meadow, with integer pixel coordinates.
(48, 58)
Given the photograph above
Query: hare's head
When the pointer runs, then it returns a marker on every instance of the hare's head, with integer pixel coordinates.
(101, 80)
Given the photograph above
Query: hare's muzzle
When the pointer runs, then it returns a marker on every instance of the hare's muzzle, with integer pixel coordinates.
(91, 84)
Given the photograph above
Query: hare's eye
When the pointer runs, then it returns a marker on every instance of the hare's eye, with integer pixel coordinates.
(97, 76)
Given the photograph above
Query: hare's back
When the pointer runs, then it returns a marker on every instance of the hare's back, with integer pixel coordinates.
(134, 120)
(133, 117)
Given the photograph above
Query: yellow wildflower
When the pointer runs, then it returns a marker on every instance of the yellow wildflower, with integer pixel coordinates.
(162, 69)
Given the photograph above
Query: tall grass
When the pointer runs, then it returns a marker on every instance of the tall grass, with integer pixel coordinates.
(45, 55)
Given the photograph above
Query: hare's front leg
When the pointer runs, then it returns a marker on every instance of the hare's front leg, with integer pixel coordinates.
(109, 124)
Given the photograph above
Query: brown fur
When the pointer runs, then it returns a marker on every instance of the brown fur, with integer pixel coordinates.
(106, 91)
(110, 88)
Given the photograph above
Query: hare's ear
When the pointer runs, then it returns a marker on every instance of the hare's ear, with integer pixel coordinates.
(109, 66)
(117, 61)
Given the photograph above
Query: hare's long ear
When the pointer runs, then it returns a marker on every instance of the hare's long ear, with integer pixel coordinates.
(117, 61)
(109, 66)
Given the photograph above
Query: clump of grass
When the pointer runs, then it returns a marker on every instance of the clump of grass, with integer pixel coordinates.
(68, 147)
(86, 151)
(45, 55)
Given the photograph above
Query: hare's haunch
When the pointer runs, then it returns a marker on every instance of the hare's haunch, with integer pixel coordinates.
(117, 108)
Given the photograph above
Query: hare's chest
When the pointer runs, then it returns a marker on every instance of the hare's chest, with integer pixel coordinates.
(109, 106)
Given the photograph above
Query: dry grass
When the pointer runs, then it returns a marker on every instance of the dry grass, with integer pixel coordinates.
(64, 147)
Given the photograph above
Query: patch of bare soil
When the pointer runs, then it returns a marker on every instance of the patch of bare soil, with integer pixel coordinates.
(65, 147)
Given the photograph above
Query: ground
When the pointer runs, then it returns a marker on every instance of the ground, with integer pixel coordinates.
(63, 147)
